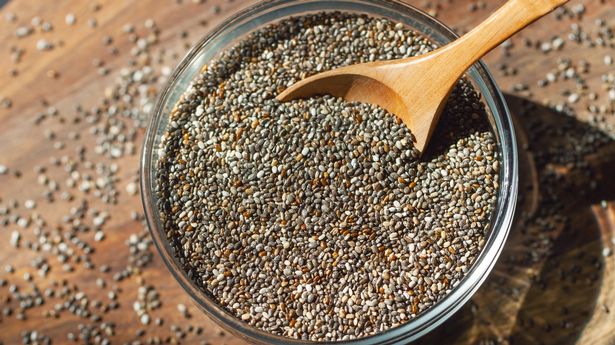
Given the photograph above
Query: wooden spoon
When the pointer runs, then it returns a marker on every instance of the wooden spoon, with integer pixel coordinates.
(415, 89)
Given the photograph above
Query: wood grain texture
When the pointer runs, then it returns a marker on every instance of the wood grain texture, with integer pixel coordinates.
(551, 286)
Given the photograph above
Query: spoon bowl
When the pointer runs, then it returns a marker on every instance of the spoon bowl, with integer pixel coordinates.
(398, 87)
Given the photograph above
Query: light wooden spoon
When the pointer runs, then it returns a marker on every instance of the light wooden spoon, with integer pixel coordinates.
(415, 89)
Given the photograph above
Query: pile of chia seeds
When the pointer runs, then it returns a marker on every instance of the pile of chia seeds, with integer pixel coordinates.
(317, 219)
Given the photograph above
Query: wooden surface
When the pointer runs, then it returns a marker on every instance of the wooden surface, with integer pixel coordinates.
(552, 284)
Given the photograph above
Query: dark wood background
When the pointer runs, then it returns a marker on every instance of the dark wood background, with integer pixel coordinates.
(552, 284)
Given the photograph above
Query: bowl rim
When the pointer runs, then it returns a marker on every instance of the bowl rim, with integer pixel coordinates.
(501, 218)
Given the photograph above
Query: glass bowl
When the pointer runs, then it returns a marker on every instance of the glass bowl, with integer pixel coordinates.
(268, 12)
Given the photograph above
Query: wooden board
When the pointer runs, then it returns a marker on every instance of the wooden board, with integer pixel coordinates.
(552, 284)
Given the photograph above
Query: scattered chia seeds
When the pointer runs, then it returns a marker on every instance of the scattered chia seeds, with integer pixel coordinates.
(316, 219)
(75, 191)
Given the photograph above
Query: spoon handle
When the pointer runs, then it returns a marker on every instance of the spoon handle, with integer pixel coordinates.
(509, 19)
